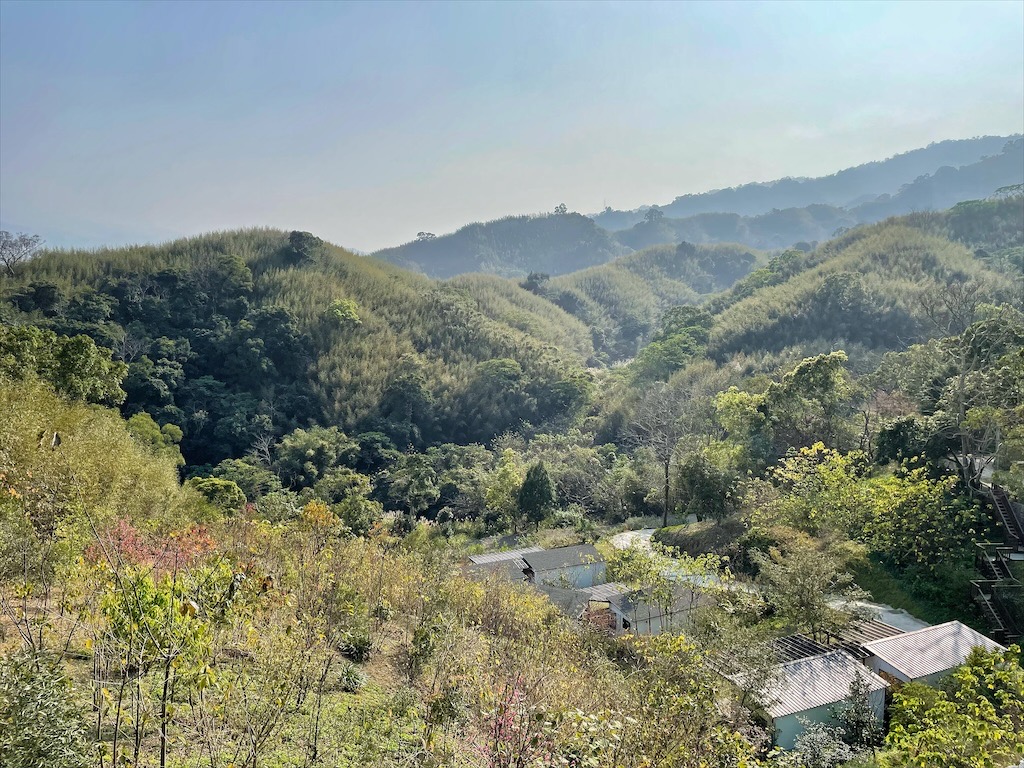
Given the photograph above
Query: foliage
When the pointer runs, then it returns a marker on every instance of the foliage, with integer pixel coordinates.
(819, 746)
(807, 589)
(75, 366)
(351, 679)
(503, 490)
(162, 440)
(862, 728)
(536, 495)
(976, 720)
(705, 490)
(225, 495)
(40, 722)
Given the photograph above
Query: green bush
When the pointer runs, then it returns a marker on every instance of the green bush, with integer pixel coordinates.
(40, 723)
(351, 678)
(356, 644)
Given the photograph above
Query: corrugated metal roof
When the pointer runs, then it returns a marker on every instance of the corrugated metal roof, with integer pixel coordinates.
(932, 649)
(640, 607)
(860, 632)
(607, 591)
(816, 681)
(509, 569)
(508, 554)
(562, 557)
(796, 647)
(633, 603)
(571, 602)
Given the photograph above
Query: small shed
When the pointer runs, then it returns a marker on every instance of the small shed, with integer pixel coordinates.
(506, 554)
(511, 570)
(925, 655)
(571, 567)
(571, 602)
(508, 564)
(807, 690)
(631, 611)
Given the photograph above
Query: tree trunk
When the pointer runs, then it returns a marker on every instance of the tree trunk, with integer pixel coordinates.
(664, 521)
(163, 712)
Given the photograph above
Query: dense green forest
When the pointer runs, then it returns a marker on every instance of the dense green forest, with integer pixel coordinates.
(238, 474)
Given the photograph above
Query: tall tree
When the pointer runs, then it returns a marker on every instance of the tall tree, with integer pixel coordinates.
(657, 426)
(807, 588)
(15, 249)
(537, 494)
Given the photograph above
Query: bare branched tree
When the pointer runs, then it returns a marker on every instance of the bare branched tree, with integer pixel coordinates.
(657, 425)
(129, 346)
(951, 308)
(15, 249)
(262, 449)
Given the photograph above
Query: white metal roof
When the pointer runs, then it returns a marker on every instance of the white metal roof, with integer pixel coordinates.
(562, 557)
(607, 591)
(508, 554)
(932, 649)
(816, 681)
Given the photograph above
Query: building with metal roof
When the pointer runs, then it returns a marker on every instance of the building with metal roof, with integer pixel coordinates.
(508, 554)
(513, 569)
(807, 690)
(632, 611)
(576, 567)
(852, 637)
(926, 655)
(572, 602)
(796, 647)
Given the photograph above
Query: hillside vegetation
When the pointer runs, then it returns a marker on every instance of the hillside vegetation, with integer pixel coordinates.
(240, 475)
(778, 215)
(623, 301)
(871, 288)
(239, 336)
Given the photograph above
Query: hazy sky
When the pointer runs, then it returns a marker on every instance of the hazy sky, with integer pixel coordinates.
(365, 123)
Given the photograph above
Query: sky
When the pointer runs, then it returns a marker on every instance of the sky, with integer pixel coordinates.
(366, 123)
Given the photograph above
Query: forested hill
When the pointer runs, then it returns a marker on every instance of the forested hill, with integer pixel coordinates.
(847, 188)
(512, 247)
(871, 291)
(349, 430)
(238, 337)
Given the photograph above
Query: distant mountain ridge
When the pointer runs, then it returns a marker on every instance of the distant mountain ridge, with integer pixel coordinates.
(771, 216)
(783, 228)
(847, 188)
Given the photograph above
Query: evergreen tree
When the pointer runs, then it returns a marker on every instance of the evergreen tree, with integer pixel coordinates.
(537, 494)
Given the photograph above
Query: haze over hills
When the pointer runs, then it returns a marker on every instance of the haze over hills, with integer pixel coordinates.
(561, 243)
(781, 228)
(847, 188)
(513, 246)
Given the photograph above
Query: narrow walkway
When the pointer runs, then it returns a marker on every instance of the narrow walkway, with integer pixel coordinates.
(640, 539)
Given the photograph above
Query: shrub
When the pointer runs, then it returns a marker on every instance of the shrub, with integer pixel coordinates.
(356, 644)
(39, 721)
(351, 678)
